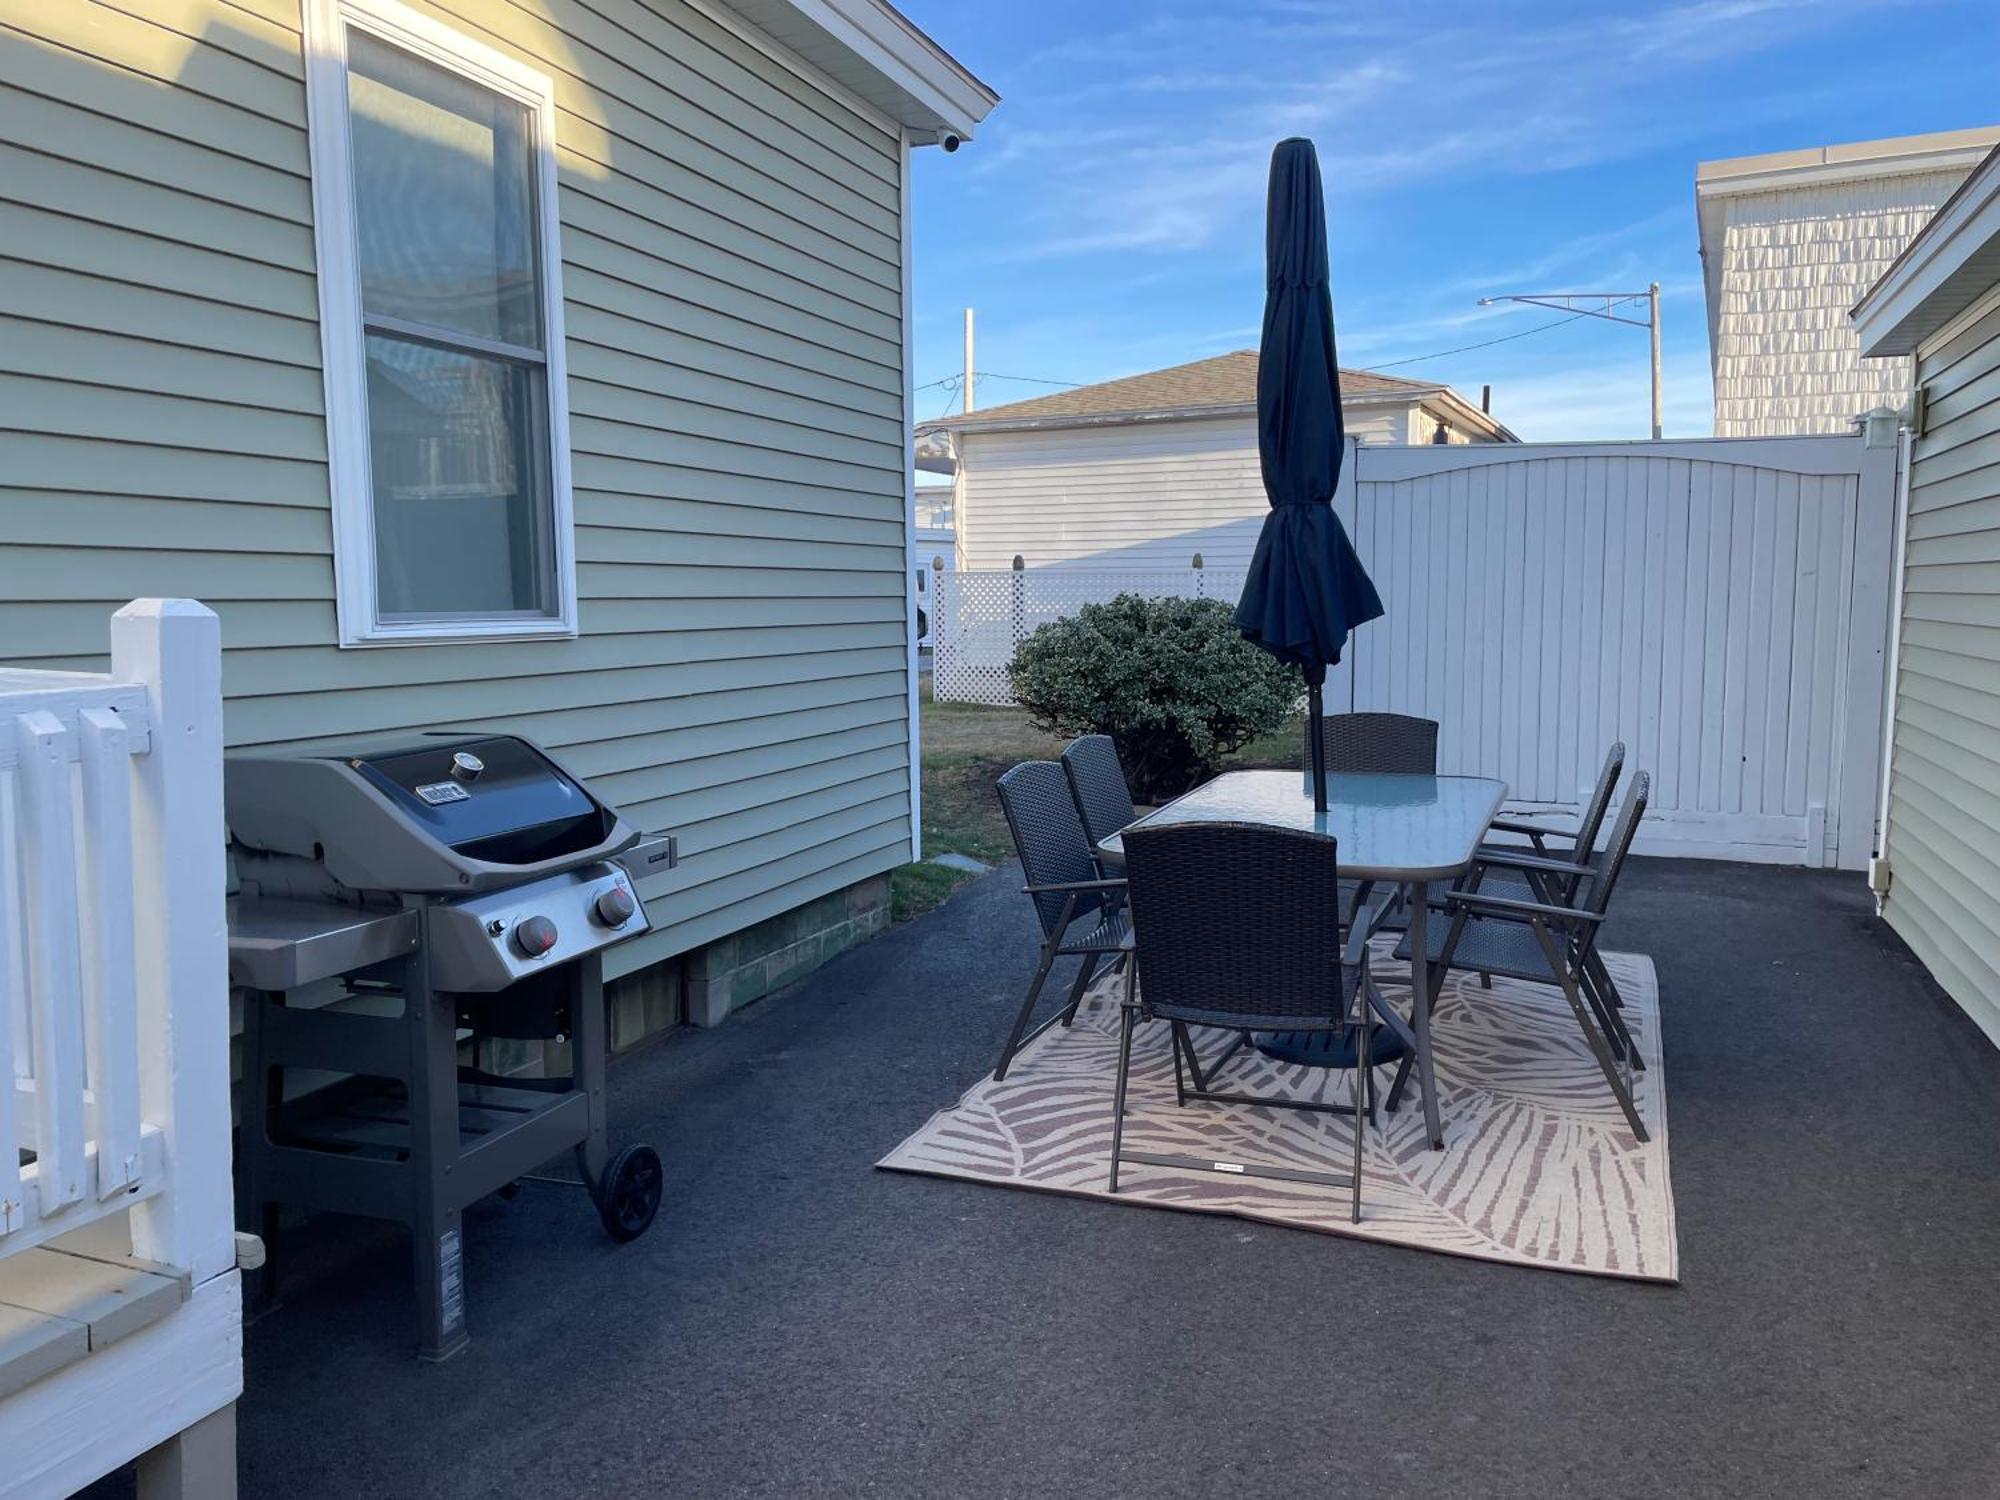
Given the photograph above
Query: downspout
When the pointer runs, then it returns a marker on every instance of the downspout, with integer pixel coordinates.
(1878, 867)
(913, 708)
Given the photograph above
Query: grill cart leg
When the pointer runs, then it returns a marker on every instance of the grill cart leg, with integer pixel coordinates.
(625, 1186)
(590, 1048)
(438, 1246)
(256, 1211)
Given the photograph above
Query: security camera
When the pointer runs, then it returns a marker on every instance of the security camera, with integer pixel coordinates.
(950, 141)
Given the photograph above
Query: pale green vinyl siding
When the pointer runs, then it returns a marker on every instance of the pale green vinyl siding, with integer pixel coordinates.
(1943, 839)
(732, 278)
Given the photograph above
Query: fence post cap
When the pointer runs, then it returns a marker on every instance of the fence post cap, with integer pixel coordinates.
(937, 562)
(1019, 564)
(1197, 560)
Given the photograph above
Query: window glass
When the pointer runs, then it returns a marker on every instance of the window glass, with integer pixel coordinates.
(460, 470)
(444, 191)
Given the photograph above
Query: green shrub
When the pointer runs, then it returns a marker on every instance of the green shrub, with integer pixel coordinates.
(1171, 681)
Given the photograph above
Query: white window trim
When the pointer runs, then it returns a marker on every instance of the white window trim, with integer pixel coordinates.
(342, 350)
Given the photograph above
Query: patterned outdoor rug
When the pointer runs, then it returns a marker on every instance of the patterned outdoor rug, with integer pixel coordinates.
(1538, 1168)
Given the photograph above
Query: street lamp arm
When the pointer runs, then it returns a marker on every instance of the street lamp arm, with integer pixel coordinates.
(1567, 302)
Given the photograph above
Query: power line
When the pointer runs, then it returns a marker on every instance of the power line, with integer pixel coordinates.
(1417, 359)
(1027, 379)
(991, 375)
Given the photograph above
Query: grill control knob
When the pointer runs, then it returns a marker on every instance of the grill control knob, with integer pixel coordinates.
(534, 936)
(466, 766)
(614, 908)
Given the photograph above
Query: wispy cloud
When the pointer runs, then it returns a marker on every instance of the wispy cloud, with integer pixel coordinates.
(1158, 145)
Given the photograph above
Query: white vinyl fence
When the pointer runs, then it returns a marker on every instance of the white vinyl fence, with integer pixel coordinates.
(1719, 605)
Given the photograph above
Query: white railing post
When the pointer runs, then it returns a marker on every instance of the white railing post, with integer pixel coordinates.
(172, 647)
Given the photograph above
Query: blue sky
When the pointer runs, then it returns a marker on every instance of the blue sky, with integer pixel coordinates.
(1109, 217)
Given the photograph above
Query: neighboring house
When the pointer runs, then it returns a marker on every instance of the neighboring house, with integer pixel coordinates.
(542, 367)
(937, 534)
(937, 544)
(1788, 242)
(1938, 874)
(1149, 470)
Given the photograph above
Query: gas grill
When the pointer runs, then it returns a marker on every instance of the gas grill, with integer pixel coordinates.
(403, 908)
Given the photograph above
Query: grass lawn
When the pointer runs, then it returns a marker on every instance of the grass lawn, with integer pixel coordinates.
(967, 748)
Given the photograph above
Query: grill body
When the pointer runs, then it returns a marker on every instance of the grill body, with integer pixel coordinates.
(405, 910)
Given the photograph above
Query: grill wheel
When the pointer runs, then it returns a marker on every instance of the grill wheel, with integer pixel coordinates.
(628, 1195)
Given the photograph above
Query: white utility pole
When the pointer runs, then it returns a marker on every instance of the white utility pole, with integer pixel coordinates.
(968, 359)
(1653, 321)
(1581, 305)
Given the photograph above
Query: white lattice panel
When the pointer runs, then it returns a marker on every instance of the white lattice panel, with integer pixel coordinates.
(981, 615)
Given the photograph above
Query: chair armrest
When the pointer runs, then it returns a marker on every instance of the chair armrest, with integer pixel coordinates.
(1076, 885)
(1512, 861)
(1534, 830)
(1506, 906)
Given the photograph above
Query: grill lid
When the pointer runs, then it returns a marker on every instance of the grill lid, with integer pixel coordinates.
(444, 813)
(495, 798)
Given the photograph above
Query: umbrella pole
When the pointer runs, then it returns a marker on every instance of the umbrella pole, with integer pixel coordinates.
(1317, 739)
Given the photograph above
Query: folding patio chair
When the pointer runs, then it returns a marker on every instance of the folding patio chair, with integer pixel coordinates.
(1097, 783)
(1502, 878)
(1582, 841)
(1235, 927)
(1552, 939)
(1067, 891)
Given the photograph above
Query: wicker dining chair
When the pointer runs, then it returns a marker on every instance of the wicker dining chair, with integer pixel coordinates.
(1552, 939)
(1235, 930)
(1377, 742)
(1081, 914)
(1097, 783)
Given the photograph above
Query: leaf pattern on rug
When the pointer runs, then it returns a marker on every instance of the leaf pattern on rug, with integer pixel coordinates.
(1539, 1167)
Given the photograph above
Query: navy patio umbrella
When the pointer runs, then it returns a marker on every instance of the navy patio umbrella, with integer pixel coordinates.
(1307, 588)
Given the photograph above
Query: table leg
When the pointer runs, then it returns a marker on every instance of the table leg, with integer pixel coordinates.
(1420, 1005)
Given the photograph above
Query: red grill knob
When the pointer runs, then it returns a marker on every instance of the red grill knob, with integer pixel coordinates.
(615, 907)
(534, 936)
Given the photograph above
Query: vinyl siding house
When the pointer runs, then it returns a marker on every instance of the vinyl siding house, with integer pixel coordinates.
(1938, 872)
(1789, 241)
(536, 364)
(1145, 471)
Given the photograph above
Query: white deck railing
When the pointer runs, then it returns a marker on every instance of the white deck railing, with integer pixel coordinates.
(113, 948)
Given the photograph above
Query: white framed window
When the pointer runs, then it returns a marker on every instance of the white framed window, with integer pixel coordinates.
(435, 220)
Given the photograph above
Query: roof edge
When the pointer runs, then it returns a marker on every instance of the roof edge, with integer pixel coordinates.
(1934, 279)
(1894, 156)
(870, 50)
(975, 422)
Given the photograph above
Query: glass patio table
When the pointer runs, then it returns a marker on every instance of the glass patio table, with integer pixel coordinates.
(1407, 831)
